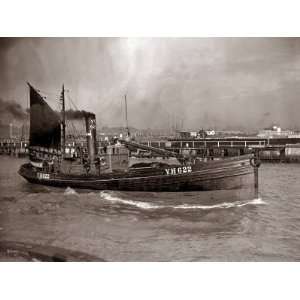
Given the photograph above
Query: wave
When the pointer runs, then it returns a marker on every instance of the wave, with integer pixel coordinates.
(145, 205)
(69, 191)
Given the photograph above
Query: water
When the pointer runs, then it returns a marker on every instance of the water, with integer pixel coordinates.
(124, 226)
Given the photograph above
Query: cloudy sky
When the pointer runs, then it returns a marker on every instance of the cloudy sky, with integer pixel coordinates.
(230, 83)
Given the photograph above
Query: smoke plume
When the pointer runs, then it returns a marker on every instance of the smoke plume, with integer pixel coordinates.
(12, 110)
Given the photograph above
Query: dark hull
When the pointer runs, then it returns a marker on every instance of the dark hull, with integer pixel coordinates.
(233, 173)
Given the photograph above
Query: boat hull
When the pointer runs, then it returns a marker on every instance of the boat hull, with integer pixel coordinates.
(218, 175)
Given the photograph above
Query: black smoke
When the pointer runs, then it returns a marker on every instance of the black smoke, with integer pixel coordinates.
(12, 109)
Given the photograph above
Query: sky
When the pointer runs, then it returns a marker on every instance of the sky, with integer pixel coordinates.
(219, 83)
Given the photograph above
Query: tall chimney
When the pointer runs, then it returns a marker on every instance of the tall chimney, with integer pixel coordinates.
(90, 124)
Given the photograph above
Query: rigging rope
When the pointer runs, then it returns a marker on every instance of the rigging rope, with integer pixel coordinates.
(49, 93)
(69, 97)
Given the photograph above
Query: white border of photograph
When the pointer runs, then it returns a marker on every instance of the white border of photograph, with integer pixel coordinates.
(149, 280)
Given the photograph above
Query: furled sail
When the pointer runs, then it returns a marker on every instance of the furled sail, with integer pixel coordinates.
(45, 124)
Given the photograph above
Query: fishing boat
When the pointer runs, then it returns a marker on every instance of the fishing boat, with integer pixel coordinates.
(160, 170)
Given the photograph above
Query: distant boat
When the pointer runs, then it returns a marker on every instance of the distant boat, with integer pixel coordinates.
(166, 172)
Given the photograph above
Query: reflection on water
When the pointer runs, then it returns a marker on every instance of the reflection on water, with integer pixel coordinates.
(139, 226)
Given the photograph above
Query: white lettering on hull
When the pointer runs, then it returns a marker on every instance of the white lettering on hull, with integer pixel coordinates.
(179, 170)
(43, 176)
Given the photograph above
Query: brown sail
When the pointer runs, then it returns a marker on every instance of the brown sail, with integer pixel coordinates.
(45, 124)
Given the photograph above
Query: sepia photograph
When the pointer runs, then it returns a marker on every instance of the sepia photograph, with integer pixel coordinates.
(132, 149)
(149, 149)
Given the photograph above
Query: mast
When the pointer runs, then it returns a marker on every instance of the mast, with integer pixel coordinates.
(126, 117)
(63, 113)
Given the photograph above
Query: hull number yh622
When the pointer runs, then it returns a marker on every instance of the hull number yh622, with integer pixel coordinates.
(179, 170)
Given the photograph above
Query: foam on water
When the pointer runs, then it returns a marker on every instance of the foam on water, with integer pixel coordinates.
(69, 191)
(109, 197)
(221, 205)
(145, 205)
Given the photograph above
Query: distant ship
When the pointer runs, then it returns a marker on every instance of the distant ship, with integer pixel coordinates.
(160, 171)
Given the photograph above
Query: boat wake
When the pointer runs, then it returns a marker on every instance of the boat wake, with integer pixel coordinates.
(145, 205)
(256, 201)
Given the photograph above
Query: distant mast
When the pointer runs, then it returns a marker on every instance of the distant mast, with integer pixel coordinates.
(126, 117)
(63, 113)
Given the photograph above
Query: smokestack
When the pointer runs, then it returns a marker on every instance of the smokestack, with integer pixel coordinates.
(90, 124)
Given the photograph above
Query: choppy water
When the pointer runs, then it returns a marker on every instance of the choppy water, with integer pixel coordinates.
(126, 226)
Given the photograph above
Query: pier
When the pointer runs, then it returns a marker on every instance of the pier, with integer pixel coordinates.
(14, 147)
(272, 149)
